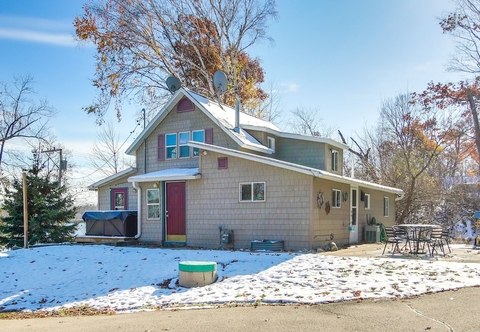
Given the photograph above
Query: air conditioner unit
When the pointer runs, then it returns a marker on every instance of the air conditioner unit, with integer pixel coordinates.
(372, 234)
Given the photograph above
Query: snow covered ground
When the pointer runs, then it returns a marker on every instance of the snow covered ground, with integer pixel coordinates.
(132, 278)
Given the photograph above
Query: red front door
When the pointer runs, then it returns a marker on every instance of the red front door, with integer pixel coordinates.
(175, 212)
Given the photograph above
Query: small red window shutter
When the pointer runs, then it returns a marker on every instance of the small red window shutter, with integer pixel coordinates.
(161, 147)
(209, 136)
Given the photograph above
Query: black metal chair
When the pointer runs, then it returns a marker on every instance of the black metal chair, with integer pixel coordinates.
(424, 238)
(446, 237)
(403, 235)
(392, 237)
(438, 240)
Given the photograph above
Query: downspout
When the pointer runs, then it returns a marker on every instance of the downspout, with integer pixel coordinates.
(144, 145)
(135, 184)
(139, 209)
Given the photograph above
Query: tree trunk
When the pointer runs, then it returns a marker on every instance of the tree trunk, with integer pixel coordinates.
(476, 125)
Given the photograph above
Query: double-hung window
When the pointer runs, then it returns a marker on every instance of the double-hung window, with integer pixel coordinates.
(198, 136)
(367, 201)
(336, 198)
(271, 143)
(171, 146)
(183, 139)
(334, 161)
(153, 203)
(252, 192)
(386, 204)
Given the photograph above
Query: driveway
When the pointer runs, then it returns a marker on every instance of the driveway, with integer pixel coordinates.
(447, 311)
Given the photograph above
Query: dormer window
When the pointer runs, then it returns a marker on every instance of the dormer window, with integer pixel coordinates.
(271, 143)
(334, 160)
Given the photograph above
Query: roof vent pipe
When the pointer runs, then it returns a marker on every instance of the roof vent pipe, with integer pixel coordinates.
(237, 115)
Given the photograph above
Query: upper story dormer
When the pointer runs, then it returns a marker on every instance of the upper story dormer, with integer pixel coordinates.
(163, 144)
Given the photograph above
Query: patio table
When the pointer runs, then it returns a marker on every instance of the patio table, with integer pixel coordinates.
(417, 234)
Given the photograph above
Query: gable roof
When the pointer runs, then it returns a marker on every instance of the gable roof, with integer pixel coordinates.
(296, 168)
(112, 178)
(224, 117)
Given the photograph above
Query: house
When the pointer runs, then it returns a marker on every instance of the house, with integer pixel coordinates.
(203, 171)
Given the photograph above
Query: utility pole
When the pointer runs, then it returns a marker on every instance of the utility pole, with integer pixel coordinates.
(62, 165)
(144, 144)
(25, 211)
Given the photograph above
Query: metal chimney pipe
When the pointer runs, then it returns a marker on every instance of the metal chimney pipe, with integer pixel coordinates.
(237, 115)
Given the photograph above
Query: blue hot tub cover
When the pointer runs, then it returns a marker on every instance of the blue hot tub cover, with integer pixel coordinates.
(109, 215)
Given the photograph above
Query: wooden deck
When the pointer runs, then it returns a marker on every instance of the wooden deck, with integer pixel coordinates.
(104, 239)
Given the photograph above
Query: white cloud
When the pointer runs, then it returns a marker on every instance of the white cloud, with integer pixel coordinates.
(38, 37)
(290, 87)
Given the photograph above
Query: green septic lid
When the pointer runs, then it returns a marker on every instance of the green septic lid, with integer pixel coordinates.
(197, 266)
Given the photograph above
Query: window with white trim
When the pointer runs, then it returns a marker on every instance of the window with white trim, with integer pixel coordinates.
(171, 146)
(184, 149)
(198, 136)
(252, 192)
(271, 143)
(336, 198)
(153, 204)
(367, 201)
(386, 207)
(176, 145)
(334, 166)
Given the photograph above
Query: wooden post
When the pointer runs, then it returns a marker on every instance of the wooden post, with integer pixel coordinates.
(25, 212)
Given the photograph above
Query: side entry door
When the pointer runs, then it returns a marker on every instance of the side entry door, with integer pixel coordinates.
(175, 221)
(353, 228)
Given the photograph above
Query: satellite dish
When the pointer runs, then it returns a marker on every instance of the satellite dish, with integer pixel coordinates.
(173, 83)
(220, 81)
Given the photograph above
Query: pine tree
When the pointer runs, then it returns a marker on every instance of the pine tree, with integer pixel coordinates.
(50, 210)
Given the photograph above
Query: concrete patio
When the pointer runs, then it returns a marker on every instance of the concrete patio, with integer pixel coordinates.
(466, 253)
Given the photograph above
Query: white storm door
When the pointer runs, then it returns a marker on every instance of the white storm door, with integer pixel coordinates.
(353, 228)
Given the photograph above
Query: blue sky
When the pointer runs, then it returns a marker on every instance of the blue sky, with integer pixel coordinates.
(341, 57)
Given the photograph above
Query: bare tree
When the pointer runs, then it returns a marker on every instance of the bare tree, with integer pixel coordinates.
(21, 115)
(107, 155)
(140, 43)
(271, 109)
(403, 151)
(309, 122)
(464, 26)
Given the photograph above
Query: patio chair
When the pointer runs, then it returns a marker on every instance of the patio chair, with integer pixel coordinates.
(424, 237)
(403, 235)
(391, 237)
(437, 240)
(446, 236)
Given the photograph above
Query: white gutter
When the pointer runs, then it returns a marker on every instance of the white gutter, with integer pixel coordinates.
(295, 167)
(139, 210)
